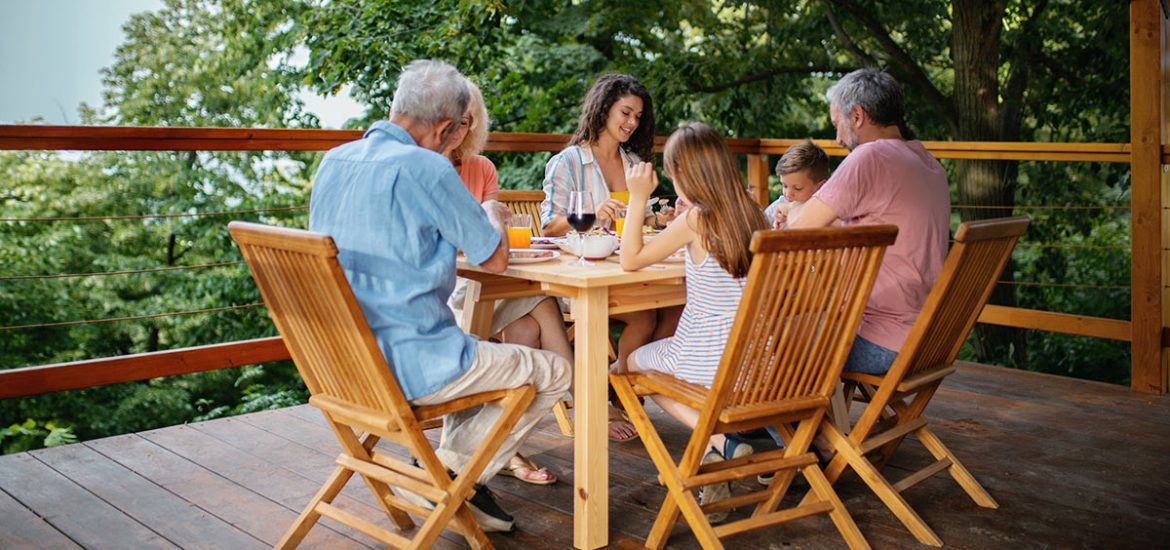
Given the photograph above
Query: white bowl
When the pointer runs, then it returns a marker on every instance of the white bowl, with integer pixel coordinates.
(597, 247)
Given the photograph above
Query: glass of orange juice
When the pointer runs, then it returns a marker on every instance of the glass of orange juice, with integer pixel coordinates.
(520, 231)
(620, 222)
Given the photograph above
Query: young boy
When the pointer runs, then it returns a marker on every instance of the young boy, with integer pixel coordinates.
(802, 169)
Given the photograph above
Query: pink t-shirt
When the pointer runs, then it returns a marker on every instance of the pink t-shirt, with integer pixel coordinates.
(893, 181)
(479, 176)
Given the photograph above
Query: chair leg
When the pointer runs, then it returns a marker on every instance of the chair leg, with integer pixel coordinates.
(360, 447)
(308, 518)
(564, 421)
(839, 515)
(848, 452)
(962, 476)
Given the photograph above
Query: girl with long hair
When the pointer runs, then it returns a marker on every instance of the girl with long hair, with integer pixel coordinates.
(715, 232)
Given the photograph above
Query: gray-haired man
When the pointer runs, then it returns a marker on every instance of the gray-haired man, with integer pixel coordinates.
(886, 178)
(398, 211)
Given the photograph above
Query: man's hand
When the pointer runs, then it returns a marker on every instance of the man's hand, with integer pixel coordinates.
(499, 216)
(497, 213)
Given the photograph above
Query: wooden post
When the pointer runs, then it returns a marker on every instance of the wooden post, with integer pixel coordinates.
(1164, 93)
(757, 167)
(1145, 24)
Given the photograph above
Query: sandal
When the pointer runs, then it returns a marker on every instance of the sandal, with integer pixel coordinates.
(621, 417)
(523, 468)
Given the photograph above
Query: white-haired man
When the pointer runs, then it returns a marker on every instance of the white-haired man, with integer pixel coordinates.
(398, 211)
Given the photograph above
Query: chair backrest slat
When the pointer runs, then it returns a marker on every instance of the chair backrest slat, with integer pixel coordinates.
(801, 306)
(977, 258)
(313, 307)
(524, 202)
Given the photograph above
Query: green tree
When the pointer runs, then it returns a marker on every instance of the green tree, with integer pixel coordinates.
(192, 63)
(1002, 70)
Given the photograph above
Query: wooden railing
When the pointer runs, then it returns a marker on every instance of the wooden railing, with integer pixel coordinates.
(50, 378)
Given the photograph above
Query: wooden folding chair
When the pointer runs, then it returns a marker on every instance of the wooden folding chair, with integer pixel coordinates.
(524, 202)
(335, 352)
(800, 310)
(896, 400)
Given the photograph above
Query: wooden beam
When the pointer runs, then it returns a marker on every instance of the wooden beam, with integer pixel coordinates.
(143, 366)
(1145, 70)
(1064, 323)
(757, 175)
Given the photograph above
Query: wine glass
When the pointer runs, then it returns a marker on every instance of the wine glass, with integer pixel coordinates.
(582, 216)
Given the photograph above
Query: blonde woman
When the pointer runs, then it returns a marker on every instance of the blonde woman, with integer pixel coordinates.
(534, 321)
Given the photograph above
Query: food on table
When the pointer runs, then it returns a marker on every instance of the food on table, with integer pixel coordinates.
(530, 254)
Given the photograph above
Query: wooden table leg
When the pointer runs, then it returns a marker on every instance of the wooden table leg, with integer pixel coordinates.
(591, 446)
(477, 314)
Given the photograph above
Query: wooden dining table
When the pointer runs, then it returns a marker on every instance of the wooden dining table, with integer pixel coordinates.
(596, 292)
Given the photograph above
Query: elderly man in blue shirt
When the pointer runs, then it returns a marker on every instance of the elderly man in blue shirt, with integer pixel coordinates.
(398, 211)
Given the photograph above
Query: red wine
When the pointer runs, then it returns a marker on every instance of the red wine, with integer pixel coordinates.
(582, 222)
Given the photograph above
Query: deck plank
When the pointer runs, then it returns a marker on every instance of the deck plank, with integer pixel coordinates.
(24, 530)
(310, 466)
(172, 517)
(70, 509)
(1073, 464)
(263, 518)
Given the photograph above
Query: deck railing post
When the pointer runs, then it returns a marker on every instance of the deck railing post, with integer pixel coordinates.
(757, 169)
(1147, 370)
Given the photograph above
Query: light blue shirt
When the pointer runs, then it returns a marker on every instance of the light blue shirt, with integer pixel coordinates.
(398, 212)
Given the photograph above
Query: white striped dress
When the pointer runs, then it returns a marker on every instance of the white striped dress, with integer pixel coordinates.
(693, 353)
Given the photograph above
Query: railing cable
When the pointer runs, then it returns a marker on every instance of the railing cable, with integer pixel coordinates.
(107, 273)
(153, 216)
(135, 318)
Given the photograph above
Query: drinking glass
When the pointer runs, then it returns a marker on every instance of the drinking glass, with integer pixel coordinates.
(520, 231)
(582, 216)
(619, 221)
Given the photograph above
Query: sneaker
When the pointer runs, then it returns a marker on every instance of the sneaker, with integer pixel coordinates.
(487, 512)
(483, 506)
(714, 493)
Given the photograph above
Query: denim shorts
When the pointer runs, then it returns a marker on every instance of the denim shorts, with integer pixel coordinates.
(868, 357)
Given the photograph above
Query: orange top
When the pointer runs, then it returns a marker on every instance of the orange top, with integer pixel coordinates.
(479, 176)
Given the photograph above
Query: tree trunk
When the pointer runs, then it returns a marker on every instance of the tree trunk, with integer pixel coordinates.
(975, 48)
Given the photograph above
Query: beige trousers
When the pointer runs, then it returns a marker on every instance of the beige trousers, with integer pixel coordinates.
(497, 367)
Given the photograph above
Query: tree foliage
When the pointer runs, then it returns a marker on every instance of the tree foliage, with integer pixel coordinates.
(1039, 70)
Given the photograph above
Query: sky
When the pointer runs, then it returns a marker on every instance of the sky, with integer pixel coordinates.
(51, 52)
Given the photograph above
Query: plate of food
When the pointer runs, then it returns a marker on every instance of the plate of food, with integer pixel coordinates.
(531, 255)
(547, 243)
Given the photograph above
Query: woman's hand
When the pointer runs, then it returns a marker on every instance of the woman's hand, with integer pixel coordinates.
(641, 180)
(611, 209)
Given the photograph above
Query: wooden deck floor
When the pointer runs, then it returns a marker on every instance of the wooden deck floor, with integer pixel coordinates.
(1073, 465)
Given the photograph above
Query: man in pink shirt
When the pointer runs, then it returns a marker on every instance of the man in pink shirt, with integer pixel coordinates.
(885, 179)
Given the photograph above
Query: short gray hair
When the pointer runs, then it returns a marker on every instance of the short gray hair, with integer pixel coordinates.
(875, 91)
(431, 91)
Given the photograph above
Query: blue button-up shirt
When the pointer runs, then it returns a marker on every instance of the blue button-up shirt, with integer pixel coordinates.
(398, 212)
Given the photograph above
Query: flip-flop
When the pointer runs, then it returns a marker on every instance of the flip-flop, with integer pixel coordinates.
(623, 417)
(511, 470)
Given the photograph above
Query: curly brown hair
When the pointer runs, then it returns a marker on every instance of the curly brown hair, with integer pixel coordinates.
(595, 107)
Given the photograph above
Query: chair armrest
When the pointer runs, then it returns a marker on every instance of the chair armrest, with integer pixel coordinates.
(650, 383)
(442, 409)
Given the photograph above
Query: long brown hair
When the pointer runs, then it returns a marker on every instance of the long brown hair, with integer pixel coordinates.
(608, 89)
(697, 159)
